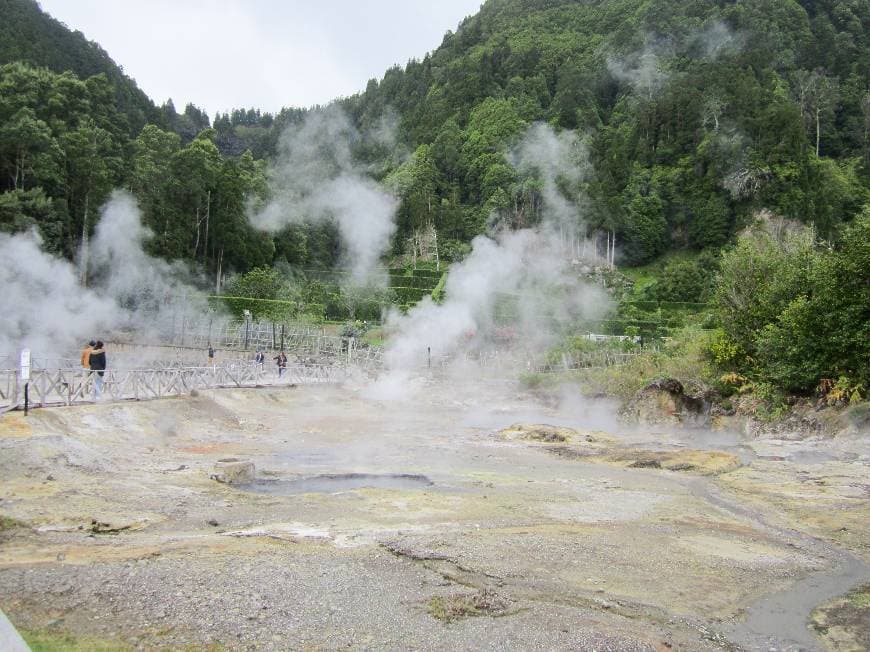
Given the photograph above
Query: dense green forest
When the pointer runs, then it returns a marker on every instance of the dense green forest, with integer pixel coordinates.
(697, 116)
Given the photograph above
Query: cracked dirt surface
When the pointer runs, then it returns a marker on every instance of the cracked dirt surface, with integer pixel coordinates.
(617, 540)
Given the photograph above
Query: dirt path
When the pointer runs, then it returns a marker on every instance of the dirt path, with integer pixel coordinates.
(417, 525)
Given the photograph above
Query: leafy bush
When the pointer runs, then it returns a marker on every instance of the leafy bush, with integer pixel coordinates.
(683, 281)
(799, 312)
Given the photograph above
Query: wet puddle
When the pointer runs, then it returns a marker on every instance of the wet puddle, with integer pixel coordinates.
(335, 483)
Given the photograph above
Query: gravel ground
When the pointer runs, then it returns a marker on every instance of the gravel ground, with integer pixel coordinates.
(124, 537)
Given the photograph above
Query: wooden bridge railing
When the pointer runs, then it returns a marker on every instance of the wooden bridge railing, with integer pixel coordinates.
(71, 386)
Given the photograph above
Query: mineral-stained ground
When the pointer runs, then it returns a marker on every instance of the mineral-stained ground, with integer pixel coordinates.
(464, 518)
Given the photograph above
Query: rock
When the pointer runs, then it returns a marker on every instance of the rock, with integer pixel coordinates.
(645, 464)
(212, 522)
(233, 471)
(666, 401)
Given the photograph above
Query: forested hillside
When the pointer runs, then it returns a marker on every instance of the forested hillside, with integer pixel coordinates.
(28, 34)
(698, 117)
(696, 114)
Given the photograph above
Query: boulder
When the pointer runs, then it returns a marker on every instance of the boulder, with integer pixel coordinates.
(666, 401)
(233, 471)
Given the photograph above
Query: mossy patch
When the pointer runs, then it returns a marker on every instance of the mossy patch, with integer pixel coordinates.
(548, 434)
(466, 605)
(693, 461)
(9, 523)
(42, 641)
(842, 623)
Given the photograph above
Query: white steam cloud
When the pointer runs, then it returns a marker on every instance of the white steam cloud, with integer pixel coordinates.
(316, 179)
(553, 157)
(719, 39)
(642, 70)
(517, 291)
(45, 309)
(645, 70)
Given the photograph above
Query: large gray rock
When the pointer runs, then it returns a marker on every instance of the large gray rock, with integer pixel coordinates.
(233, 471)
(665, 401)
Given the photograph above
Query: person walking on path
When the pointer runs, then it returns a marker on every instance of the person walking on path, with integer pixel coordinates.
(281, 361)
(97, 362)
(210, 356)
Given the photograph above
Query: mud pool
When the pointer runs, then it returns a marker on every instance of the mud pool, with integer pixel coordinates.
(465, 518)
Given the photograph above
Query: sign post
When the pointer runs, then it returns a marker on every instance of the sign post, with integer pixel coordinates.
(25, 376)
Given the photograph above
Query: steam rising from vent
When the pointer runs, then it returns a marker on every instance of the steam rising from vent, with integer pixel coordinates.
(44, 307)
(517, 292)
(645, 71)
(46, 310)
(553, 157)
(316, 179)
(143, 286)
(642, 70)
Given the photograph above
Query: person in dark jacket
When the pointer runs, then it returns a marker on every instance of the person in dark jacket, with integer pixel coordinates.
(98, 364)
(281, 361)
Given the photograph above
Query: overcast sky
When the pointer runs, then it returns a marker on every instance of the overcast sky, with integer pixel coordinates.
(223, 54)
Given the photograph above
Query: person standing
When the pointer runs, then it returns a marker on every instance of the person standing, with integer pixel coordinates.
(86, 364)
(210, 355)
(97, 362)
(86, 355)
(281, 361)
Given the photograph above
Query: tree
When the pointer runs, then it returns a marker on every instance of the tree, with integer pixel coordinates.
(683, 281)
(817, 96)
(92, 166)
(824, 330)
(29, 154)
(762, 275)
(645, 230)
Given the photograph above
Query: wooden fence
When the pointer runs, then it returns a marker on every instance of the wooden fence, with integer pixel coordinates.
(72, 386)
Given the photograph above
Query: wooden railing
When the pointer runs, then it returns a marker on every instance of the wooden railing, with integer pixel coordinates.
(71, 386)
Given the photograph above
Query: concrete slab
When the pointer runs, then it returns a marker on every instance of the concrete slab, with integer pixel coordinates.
(10, 639)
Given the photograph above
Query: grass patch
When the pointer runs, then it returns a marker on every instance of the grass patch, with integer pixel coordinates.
(683, 357)
(842, 623)
(51, 642)
(464, 605)
(9, 523)
(860, 599)
(42, 641)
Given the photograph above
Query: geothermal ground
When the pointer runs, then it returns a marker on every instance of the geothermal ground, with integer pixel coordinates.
(454, 520)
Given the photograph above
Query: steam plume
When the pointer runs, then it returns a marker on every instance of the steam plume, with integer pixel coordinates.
(525, 271)
(47, 310)
(316, 179)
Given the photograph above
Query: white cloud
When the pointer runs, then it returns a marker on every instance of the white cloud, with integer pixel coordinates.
(222, 54)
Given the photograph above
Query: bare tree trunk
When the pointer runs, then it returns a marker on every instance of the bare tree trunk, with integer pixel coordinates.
(612, 261)
(205, 242)
(437, 259)
(217, 283)
(818, 131)
(83, 271)
(196, 244)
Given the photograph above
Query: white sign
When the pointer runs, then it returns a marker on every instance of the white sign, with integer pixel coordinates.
(25, 364)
